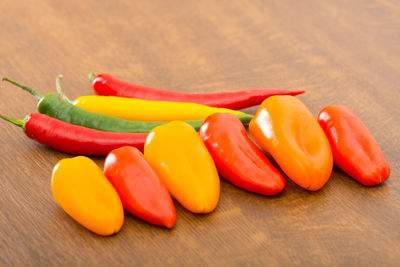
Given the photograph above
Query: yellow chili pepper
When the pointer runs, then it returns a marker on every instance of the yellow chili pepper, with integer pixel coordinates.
(285, 128)
(82, 191)
(180, 158)
(147, 110)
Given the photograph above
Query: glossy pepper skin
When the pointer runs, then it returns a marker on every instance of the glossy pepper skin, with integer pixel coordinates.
(176, 152)
(354, 148)
(285, 128)
(52, 106)
(80, 188)
(147, 110)
(108, 85)
(139, 187)
(237, 158)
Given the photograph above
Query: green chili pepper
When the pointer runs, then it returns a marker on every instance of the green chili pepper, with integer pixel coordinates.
(53, 106)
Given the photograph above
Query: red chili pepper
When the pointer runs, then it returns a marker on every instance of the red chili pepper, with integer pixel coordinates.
(354, 148)
(140, 189)
(237, 158)
(107, 85)
(74, 139)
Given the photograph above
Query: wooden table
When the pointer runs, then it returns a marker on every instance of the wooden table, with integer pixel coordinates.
(344, 52)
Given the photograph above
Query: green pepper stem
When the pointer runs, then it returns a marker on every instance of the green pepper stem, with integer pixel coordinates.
(26, 88)
(92, 76)
(18, 122)
(59, 89)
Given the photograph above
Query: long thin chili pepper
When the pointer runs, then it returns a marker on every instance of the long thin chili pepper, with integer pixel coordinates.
(108, 85)
(147, 110)
(143, 110)
(52, 106)
(74, 139)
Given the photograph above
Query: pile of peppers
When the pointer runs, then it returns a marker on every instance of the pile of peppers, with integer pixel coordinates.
(161, 145)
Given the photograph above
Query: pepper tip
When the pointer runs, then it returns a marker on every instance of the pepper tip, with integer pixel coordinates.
(92, 76)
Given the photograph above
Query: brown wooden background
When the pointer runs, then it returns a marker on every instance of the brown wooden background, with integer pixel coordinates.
(342, 51)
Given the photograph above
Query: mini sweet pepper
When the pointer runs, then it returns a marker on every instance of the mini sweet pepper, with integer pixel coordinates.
(80, 188)
(139, 187)
(285, 128)
(176, 152)
(354, 148)
(237, 158)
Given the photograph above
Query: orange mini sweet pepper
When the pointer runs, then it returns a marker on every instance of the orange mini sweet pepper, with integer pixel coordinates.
(181, 160)
(80, 188)
(285, 128)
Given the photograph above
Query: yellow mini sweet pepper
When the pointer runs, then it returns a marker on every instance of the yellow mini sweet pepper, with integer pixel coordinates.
(147, 110)
(180, 158)
(285, 128)
(83, 192)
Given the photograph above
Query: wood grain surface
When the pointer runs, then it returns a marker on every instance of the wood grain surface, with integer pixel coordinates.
(341, 51)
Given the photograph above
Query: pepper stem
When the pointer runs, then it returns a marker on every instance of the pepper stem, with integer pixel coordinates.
(18, 122)
(92, 76)
(59, 89)
(26, 88)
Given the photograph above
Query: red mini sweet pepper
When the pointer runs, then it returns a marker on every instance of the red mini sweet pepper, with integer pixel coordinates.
(354, 148)
(237, 158)
(141, 191)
